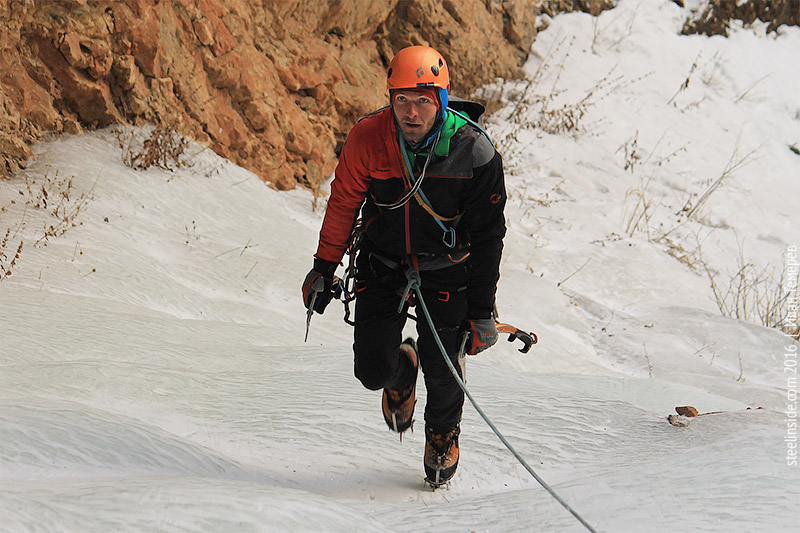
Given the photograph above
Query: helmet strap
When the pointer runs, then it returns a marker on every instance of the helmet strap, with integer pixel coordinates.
(444, 100)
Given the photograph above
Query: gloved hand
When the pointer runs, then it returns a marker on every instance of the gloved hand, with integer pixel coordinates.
(483, 334)
(318, 285)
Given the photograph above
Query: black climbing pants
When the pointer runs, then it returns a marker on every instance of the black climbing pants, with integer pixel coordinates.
(379, 328)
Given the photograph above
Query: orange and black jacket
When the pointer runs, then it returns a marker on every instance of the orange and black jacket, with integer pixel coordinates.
(468, 183)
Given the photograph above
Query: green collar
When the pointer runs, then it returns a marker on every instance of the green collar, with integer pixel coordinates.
(451, 125)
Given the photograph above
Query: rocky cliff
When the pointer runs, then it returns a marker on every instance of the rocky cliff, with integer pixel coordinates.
(273, 85)
(714, 17)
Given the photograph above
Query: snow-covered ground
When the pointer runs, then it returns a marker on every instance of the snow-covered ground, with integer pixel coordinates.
(153, 375)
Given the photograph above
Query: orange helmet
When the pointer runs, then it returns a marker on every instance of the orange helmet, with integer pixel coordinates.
(418, 66)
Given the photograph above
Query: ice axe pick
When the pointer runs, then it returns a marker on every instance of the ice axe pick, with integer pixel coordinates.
(528, 339)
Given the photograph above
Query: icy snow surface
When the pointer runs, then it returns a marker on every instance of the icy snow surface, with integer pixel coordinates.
(153, 375)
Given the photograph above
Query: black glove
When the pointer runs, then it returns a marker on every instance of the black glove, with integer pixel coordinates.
(483, 334)
(318, 285)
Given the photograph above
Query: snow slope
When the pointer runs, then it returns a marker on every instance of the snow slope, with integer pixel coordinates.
(153, 375)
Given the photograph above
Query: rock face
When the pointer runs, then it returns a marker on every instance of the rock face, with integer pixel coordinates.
(715, 17)
(273, 85)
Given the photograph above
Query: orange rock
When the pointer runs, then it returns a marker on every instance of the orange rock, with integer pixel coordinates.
(686, 410)
(272, 85)
(203, 31)
(13, 153)
(125, 71)
(100, 59)
(70, 47)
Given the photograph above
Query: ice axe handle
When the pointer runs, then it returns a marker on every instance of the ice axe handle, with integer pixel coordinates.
(528, 339)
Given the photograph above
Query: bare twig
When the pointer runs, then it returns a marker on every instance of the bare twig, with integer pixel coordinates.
(579, 269)
(734, 164)
(746, 91)
(756, 295)
(649, 363)
(685, 84)
(251, 270)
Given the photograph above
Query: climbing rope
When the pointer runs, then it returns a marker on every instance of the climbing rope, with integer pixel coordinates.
(414, 283)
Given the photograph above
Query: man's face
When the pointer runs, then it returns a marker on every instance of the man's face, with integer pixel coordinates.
(415, 113)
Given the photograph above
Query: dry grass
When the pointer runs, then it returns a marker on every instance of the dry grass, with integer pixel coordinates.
(735, 163)
(51, 194)
(57, 195)
(162, 147)
(639, 208)
(542, 104)
(762, 295)
(8, 257)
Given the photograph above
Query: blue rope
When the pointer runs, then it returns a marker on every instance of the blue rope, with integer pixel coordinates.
(449, 237)
(414, 283)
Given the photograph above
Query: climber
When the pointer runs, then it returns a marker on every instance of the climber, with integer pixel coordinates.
(428, 185)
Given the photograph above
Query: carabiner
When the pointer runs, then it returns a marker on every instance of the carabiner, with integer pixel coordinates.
(449, 238)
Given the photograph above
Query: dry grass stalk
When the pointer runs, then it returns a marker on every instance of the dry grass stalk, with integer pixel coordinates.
(164, 148)
(638, 218)
(8, 259)
(734, 164)
(756, 295)
(65, 206)
(685, 85)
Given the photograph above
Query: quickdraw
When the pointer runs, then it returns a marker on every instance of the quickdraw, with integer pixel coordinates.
(345, 288)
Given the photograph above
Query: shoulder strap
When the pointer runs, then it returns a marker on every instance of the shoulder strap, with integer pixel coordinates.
(473, 110)
(473, 123)
(377, 111)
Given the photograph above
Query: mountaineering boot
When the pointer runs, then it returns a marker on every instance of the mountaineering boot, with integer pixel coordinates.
(441, 455)
(398, 405)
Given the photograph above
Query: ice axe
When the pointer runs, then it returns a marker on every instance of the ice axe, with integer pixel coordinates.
(317, 287)
(528, 339)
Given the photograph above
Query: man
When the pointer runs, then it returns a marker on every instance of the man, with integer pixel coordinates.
(429, 186)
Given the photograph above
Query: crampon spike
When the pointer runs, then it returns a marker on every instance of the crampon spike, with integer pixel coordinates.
(436, 483)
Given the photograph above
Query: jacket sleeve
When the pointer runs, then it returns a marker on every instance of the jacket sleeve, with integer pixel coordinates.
(348, 190)
(486, 227)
